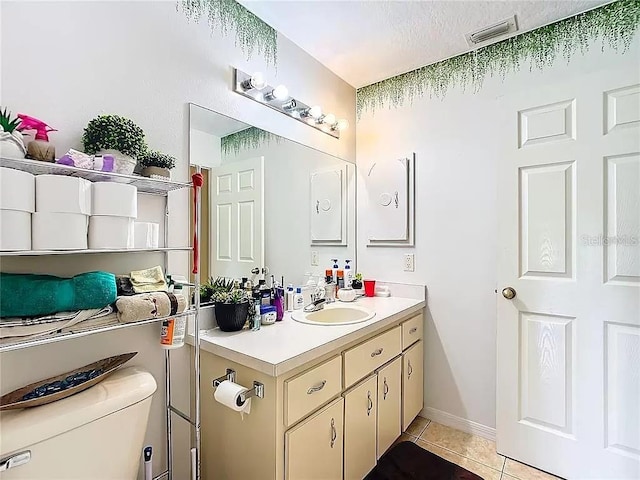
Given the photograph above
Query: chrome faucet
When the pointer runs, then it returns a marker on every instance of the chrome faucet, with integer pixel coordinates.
(315, 305)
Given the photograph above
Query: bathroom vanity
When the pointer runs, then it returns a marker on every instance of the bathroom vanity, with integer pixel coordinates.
(336, 397)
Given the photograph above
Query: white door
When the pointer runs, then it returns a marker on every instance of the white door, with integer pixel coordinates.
(238, 218)
(568, 393)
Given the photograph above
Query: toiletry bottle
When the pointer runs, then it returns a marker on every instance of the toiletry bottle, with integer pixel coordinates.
(255, 320)
(335, 270)
(298, 299)
(340, 281)
(348, 274)
(289, 298)
(328, 276)
(265, 295)
(278, 302)
(40, 148)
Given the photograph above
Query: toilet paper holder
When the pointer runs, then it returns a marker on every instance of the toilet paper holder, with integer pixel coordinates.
(258, 388)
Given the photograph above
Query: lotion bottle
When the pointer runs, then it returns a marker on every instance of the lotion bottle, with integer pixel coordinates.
(298, 299)
(348, 274)
(288, 300)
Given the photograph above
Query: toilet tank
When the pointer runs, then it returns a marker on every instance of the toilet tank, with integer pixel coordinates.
(95, 434)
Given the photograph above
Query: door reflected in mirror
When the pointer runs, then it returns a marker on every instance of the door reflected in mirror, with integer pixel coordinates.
(273, 204)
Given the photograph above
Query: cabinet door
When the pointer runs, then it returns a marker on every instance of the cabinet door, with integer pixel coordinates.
(314, 448)
(389, 405)
(360, 429)
(412, 383)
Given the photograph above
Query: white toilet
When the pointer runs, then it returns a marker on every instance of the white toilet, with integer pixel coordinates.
(95, 434)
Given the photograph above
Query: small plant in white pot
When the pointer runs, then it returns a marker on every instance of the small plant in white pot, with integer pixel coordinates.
(117, 136)
(11, 144)
(157, 164)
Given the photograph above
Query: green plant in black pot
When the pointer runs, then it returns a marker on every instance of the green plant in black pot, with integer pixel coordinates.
(356, 284)
(156, 164)
(232, 309)
(117, 136)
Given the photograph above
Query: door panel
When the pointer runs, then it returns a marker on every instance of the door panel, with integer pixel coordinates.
(569, 245)
(389, 404)
(412, 383)
(238, 218)
(314, 448)
(360, 407)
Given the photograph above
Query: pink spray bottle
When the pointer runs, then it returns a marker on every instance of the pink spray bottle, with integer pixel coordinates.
(40, 148)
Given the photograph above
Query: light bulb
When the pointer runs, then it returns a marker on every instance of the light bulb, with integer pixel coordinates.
(256, 81)
(341, 124)
(315, 112)
(280, 92)
(329, 119)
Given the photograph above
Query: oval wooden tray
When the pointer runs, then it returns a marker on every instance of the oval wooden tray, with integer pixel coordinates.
(14, 400)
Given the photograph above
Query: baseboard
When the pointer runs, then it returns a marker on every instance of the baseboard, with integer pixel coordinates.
(459, 423)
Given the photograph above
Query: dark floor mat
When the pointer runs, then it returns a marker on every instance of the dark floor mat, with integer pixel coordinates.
(407, 461)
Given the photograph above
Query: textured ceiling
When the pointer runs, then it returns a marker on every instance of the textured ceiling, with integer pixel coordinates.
(367, 41)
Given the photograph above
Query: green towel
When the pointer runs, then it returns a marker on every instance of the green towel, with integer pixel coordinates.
(26, 295)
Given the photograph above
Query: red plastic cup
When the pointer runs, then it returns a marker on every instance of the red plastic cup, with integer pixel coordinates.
(370, 288)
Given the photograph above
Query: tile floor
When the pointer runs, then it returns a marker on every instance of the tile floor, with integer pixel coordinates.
(476, 454)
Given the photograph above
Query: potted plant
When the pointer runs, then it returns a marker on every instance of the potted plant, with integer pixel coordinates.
(232, 308)
(11, 144)
(117, 136)
(156, 164)
(356, 284)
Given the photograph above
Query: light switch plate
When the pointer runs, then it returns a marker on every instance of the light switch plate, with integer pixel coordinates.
(315, 261)
(409, 262)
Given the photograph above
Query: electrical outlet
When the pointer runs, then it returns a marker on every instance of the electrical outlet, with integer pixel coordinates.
(409, 262)
(315, 261)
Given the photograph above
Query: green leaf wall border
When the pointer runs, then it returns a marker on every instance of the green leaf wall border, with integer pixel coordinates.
(615, 24)
(251, 33)
(249, 138)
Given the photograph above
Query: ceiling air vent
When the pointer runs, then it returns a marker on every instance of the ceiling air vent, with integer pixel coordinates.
(492, 32)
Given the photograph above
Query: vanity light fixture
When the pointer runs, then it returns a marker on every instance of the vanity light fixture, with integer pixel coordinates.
(257, 89)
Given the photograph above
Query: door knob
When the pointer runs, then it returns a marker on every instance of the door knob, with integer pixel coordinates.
(509, 293)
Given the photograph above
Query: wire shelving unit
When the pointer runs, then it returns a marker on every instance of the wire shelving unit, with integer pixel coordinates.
(151, 186)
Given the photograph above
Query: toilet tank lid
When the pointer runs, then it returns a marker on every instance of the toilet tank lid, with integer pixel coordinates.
(22, 428)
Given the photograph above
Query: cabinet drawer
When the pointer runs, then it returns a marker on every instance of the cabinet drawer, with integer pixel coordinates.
(412, 331)
(310, 389)
(360, 361)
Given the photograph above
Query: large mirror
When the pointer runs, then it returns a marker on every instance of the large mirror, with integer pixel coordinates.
(269, 204)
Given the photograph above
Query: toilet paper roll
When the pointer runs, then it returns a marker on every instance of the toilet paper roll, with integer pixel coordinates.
(115, 199)
(146, 235)
(15, 230)
(17, 190)
(59, 231)
(110, 232)
(60, 194)
(228, 394)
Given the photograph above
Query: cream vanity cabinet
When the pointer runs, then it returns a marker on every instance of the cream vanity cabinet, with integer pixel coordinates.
(329, 419)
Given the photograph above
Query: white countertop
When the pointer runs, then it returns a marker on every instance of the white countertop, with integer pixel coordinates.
(279, 348)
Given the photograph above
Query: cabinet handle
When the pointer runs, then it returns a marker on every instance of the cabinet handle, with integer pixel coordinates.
(386, 388)
(369, 403)
(413, 330)
(409, 369)
(317, 388)
(334, 434)
(377, 352)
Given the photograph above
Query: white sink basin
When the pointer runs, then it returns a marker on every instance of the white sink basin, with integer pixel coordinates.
(335, 314)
